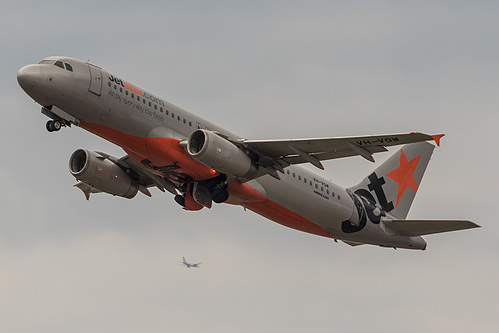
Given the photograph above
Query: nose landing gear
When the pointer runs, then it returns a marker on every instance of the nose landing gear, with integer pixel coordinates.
(59, 118)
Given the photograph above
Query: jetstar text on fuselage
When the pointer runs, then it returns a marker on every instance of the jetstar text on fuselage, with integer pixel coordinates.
(136, 90)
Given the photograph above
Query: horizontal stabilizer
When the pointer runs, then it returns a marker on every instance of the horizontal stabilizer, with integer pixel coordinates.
(424, 227)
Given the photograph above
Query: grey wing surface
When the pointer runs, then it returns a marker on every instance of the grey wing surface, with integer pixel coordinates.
(278, 154)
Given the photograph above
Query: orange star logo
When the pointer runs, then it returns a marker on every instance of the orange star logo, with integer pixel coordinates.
(404, 175)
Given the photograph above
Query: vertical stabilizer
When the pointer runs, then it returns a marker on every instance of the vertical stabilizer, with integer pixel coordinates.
(394, 184)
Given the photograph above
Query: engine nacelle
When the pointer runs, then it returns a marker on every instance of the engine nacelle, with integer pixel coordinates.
(99, 172)
(219, 154)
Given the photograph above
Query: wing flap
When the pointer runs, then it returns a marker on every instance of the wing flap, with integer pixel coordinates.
(352, 243)
(87, 189)
(425, 227)
(147, 177)
(331, 155)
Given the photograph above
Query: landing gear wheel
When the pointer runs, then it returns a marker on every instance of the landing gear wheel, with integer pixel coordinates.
(201, 194)
(50, 126)
(220, 196)
(180, 200)
(53, 125)
(56, 125)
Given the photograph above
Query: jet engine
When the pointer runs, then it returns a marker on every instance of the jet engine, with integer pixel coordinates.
(101, 173)
(212, 150)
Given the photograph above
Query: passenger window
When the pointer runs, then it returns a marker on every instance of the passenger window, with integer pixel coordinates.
(173, 115)
(138, 98)
(126, 92)
(160, 109)
(299, 177)
(184, 121)
(178, 118)
(68, 67)
(121, 90)
(190, 123)
(109, 84)
(59, 64)
(133, 95)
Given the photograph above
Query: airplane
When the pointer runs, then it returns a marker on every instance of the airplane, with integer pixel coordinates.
(200, 163)
(188, 265)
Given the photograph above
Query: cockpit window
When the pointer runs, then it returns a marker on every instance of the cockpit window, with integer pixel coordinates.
(46, 62)
(57, 63)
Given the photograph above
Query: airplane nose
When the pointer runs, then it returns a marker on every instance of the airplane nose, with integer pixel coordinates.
(27, 76)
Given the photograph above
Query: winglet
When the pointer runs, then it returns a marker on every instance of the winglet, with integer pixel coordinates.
(437, 138)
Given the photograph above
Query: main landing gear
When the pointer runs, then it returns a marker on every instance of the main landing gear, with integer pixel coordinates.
(201, 194)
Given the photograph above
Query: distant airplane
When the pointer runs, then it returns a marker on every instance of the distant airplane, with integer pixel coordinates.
(201, 163)
(190, 265)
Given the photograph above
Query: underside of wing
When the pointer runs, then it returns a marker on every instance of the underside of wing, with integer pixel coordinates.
(130, 176)
(352, 243)
(282, 153)
(147, 178)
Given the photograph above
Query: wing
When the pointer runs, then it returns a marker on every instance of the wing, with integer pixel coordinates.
(278, 154)
(147, 177)
(144, 177)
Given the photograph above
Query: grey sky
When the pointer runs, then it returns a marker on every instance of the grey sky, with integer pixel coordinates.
(263, 70)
